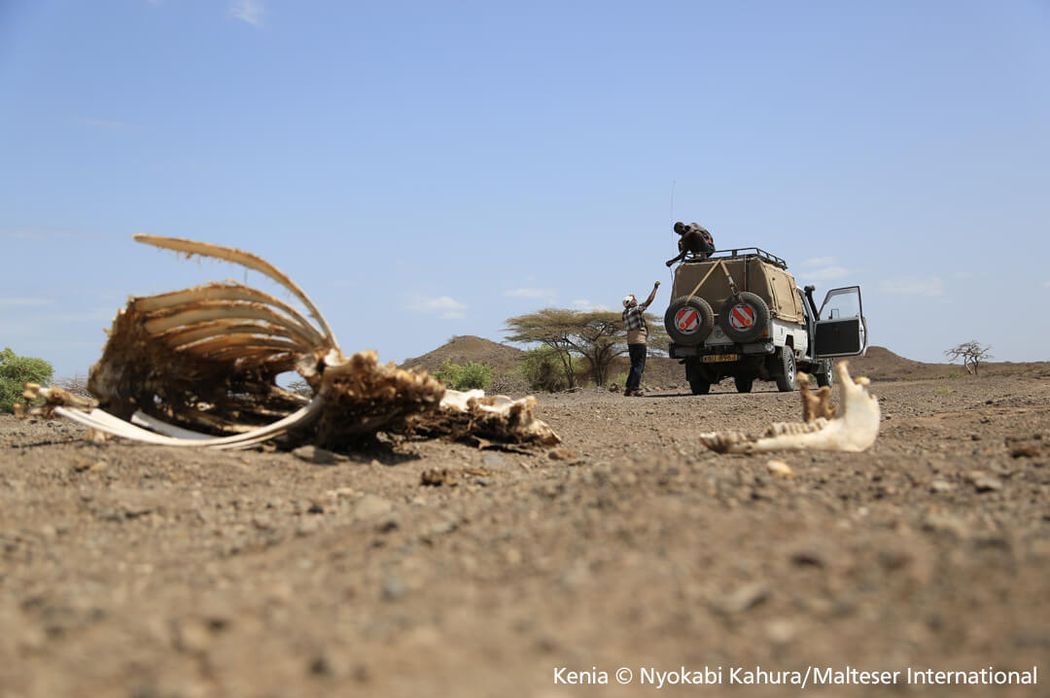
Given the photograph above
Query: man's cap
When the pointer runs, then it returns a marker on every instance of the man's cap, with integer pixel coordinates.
(627, 299)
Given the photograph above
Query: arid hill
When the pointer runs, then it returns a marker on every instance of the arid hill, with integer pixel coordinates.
(883, 365)
(463, 348)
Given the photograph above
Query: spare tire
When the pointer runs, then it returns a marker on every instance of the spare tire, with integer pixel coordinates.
(689, 320)
(744, 317)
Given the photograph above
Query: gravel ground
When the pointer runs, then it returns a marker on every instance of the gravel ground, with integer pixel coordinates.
(130, 570)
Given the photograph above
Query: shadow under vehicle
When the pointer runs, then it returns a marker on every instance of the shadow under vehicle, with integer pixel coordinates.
(738, 313)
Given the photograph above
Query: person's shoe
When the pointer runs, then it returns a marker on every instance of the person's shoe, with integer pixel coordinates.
(629, 393)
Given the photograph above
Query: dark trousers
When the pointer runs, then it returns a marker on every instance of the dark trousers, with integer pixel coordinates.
(637, 353)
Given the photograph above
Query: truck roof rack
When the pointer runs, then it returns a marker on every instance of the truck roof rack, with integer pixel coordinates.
(745, 252)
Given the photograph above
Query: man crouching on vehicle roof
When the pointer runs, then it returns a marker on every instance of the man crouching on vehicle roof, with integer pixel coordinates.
(695, 240)
(637, 335)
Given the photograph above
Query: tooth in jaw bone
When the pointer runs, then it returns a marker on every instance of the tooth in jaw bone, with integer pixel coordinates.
(815, 405)
(198, 367)
(853, 429)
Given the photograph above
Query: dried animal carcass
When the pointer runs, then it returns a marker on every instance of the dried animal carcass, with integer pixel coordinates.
(854, 428)
(198, 367)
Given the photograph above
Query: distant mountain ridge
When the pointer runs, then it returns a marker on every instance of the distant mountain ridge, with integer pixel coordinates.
(880, 363)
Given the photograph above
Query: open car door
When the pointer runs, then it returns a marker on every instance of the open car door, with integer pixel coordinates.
(840, 329)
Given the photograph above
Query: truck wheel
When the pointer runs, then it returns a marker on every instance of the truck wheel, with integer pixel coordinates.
(699, 381)
(743, 385)
(744, 317)
(825, 376)
(787, 376)
(689, 320)
(699, 386)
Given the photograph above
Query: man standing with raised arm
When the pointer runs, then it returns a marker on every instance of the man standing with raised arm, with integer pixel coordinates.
(637, 336)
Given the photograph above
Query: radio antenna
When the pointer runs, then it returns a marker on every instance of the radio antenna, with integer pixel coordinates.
(673, 183)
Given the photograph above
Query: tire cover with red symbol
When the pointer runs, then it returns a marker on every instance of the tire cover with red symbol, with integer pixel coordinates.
(744, 317)
(689, 321)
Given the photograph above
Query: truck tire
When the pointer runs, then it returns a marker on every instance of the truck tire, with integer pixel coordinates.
(699, 386)
(743, 384)
(744, 317)
(787, 375)
(689, 320)
(699, 381)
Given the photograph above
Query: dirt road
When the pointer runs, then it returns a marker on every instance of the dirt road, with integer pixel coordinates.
(129, 570)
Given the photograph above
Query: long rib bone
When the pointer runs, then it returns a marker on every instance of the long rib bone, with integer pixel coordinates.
(854, 429)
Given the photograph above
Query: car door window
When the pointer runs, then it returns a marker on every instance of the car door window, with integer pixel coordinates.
(841, 303)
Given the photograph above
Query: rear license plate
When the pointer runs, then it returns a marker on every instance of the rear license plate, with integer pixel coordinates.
(718, 358)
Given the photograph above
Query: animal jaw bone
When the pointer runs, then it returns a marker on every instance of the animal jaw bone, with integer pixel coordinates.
(853, 430)
(198, 367)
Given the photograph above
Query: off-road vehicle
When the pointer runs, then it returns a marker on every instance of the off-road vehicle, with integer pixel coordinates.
(739, 313)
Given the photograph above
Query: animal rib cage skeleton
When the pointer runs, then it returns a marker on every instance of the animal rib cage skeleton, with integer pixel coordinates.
(198, 367)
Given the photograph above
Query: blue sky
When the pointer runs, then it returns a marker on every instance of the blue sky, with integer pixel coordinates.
(426, 170)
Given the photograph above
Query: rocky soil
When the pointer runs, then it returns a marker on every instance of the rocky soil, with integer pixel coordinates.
(128, 570)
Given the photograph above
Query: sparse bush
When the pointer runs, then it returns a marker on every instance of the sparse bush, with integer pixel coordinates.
(15, 372)
(543, 369)
(468, 376)
(474, 374)
(508, 384)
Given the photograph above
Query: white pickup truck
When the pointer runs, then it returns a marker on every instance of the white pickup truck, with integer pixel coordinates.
(739, 313)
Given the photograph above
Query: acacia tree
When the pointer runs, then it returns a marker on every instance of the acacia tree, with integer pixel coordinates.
(972, 354)
(551, 327)
(596, 335)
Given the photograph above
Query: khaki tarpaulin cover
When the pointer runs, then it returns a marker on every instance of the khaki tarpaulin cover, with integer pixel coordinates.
(774, 285)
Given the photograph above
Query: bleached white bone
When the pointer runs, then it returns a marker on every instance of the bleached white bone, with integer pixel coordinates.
(853, 429)
(100, 420)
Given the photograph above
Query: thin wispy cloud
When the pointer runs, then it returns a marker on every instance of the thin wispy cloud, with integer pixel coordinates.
(586, 305)
(24, 302)
(822, 269)
(540, 294)
(250, 11)
(444, 307)
(913, 286)
(1046, 284)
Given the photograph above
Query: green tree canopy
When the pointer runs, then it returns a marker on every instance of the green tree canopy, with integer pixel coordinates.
(596, 335)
